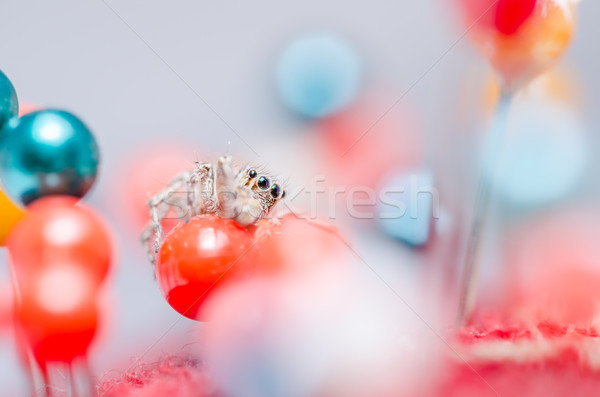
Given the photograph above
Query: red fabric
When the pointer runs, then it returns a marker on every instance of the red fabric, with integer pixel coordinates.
(169, 377)
(564, 373)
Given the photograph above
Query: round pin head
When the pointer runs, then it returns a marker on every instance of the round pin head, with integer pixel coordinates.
(520, 38)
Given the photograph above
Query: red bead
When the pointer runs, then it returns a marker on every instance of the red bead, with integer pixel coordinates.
(58, 230)
(199, 257)
(56, 315)
(293, 246)
(511, 14)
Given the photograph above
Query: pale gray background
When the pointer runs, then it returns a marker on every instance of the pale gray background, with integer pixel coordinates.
(78, 55)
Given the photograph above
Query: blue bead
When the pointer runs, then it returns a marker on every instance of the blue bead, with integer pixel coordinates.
(48, 152)
(9, 105)
(545, 156)
(405, 210)
(318, 74)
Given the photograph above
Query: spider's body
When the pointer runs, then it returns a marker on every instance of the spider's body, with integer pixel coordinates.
(241, 194)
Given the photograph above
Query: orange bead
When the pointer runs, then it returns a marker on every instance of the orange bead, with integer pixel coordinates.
(525, 50)
(10, 216)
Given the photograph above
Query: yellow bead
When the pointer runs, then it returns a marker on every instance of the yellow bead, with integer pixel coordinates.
(10, 215)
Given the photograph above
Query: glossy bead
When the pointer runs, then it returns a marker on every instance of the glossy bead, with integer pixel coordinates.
(47, 152)
(9, 105)
(198, 257)
(59, 230)
(10, 216)
(56, 314)
(318, 74)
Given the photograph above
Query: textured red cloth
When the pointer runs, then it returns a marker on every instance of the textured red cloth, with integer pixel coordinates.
(547, 360)
(169, 377)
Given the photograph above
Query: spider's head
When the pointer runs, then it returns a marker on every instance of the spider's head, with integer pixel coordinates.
(262, 190)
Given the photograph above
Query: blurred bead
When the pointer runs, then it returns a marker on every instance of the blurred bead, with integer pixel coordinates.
(546, 156)
(318, 74)
(407, 211)
(9, 105)
(48, 152)
(331, 332)
(258, 340)
(56, 315)
(10, 216)
(59, 230)
(520, 38)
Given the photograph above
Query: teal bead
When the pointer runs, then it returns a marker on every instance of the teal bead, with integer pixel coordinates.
(9, 105)
(48, 152)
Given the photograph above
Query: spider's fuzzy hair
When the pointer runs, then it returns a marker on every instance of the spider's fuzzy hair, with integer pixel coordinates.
(261, 169)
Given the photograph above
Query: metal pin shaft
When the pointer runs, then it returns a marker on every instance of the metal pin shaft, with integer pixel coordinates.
(491, 154)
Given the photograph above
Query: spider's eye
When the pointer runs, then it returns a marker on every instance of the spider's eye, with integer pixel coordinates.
(252, 174)
(263, 183)
(275, 190)
(283, 194)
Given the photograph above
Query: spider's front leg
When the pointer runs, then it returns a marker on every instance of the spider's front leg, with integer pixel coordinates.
(160, 205)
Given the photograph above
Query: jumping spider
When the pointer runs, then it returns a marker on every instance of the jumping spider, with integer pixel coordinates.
(243, 195)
